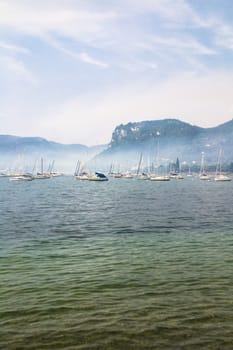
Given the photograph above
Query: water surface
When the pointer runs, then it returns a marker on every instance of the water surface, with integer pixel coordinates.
(123, 264)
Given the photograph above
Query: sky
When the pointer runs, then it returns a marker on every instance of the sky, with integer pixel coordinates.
(72, 70)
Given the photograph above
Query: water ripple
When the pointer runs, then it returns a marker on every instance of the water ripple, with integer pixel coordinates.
(123, 265)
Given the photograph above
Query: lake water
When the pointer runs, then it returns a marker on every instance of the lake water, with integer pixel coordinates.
(123, 264)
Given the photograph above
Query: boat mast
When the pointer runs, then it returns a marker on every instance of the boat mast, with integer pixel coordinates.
(202, 168)
(42, 166)
(77, 168)
(219, 164)
(139, 164)
(157, 156)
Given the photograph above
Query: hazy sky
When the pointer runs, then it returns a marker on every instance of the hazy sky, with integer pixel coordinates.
(72, 70)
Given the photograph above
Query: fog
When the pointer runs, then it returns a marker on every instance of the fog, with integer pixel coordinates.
(122, 158)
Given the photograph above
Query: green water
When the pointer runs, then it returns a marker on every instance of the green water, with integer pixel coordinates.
(117, 265)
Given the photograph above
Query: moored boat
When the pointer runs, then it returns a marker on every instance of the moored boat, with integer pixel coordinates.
(160, 178)
(127, 176)
(82, 176)
(218, 175)
(117, 175)
(23, 177)
(176, 176)
(222, 177)
(98, 177)
(143, 176)
(203, 175)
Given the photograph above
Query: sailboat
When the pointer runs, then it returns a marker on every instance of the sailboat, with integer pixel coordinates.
(160, 178)
(143, 175)
(20, 174)
(127, 174)
(189, 173)
(157, 177)
(41, 175)
(52, 172)
(23, 177)
(79, 173)
(175, 173)
(218, 175)
(203, 175)
(98, 177)
(117, 174)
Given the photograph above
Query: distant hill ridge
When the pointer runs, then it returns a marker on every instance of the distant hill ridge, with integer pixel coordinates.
(175, 137)
(28, 143)
(145, 130)
(19, 152)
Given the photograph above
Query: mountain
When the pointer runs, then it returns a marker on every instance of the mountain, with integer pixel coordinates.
(168, 139)
(9, 143)
(18, 151)
(171, 138)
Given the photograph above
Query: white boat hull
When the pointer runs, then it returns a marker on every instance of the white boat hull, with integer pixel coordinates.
(94, 178)
(160, 178)
(222, 178)
(21, 178)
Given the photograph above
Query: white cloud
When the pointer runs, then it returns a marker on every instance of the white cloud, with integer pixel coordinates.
(140, 39)
(17, 70)
(80, 56)
(112, 27)
(55, 23)
(85, 57)
(183, 43)
(13, 48)
(43, 17)
(224, 35)
(177, 12)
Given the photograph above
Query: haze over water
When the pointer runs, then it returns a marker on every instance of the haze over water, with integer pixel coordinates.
(123, 264)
